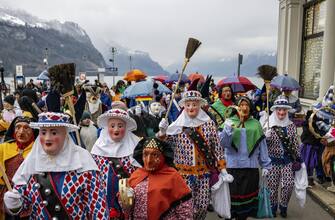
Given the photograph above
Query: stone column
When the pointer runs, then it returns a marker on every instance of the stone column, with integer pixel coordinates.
(289, 37)
(281, 41)
(328, 52)
(293, 35)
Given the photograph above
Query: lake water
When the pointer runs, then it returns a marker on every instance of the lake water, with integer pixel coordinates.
(110, 80)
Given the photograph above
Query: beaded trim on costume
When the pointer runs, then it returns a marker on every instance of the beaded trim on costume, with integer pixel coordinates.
(192, 96)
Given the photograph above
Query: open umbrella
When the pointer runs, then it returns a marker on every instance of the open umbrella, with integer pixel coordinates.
(44, 75)
(194, 76)
(135, 75)
(285, 82)
(144, 88)
(237, 83)
(174, 78)
(160, 78)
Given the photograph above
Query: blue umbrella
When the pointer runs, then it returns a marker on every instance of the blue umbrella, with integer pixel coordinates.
(285, 82)
(43, 75)
(144, 88)
(174, 78)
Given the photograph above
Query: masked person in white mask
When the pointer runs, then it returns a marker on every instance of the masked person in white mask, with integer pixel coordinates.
(198, 154)
(113, 153)
(58, 179)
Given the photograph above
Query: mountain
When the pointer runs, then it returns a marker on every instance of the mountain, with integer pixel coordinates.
(24, 39)
(228, 65)
(139, 59)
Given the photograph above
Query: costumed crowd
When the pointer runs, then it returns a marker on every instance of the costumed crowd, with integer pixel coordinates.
(81, 150)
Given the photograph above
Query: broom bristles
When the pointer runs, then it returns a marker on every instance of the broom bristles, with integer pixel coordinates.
(192, 45)
(267, 72)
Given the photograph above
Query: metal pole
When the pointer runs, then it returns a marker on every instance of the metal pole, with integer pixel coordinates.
(239, 61)
(2, 69)
(130, 63)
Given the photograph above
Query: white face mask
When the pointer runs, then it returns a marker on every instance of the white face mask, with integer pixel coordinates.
(155, 108)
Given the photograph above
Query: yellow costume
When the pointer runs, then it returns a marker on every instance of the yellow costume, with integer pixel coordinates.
(10, 157)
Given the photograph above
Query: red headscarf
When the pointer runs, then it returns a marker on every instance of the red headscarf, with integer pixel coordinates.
(165, 188)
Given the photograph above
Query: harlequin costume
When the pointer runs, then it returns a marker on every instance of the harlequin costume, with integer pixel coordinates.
(62, 186)
(197, 152)
(114, 159)
(283, 147)
(245, 151)
(162, 193)
(12, 154)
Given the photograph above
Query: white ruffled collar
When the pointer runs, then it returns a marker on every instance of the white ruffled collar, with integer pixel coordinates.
(275, 121)
(106, 147)
(71, 158)
(184, 120)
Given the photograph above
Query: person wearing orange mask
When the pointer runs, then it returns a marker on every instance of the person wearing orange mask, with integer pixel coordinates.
(158, 190)
(246, 150)
(18, 143)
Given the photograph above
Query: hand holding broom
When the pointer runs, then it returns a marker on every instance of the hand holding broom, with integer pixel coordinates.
(267, 73)
(192, 45)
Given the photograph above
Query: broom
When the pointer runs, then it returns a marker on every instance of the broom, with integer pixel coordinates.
(62, 77)
(192, 45)
(267, 72)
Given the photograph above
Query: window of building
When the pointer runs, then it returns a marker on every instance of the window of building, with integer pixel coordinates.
(314, 24)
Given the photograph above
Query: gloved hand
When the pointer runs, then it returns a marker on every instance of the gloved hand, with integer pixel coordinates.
(262, 113)
(138, 110)
(167, 99)
(224, 171)
(130, 192)
(163, 125)
(265, 172)
(268, 133)
(13, 199)
(228, 126)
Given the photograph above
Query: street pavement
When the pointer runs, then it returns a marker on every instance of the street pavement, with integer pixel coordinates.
(311, 211)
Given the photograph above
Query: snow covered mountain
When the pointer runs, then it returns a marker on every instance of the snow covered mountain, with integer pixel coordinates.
(23, 39)
(126, 58)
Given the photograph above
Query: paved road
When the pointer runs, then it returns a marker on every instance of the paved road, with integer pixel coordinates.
(311, 211)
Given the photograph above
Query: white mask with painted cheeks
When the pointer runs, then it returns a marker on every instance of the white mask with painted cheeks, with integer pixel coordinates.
(155, 108)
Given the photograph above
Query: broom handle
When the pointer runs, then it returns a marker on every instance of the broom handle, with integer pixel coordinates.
(71, 106)
(5, 178)
(267, 86)
(176, 88)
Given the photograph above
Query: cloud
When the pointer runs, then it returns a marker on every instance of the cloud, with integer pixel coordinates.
(161, 27)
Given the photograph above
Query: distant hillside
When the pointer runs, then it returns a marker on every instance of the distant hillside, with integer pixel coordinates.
(228, 66)
(23, 39)
(139, 59)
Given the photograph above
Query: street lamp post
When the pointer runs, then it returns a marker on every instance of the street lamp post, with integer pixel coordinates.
(113, 69)
(2, 83)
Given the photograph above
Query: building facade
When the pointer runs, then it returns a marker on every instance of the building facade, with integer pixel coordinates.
(306, 45)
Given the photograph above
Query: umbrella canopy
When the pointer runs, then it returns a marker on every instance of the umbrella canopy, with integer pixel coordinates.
(285, 82)
(44, 75)
(174, 78)
(160, 78)
(237, 83)
(144, 88)
(194, 76)
(135, 75)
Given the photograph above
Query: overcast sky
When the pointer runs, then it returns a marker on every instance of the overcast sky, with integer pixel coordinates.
(162, 27)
